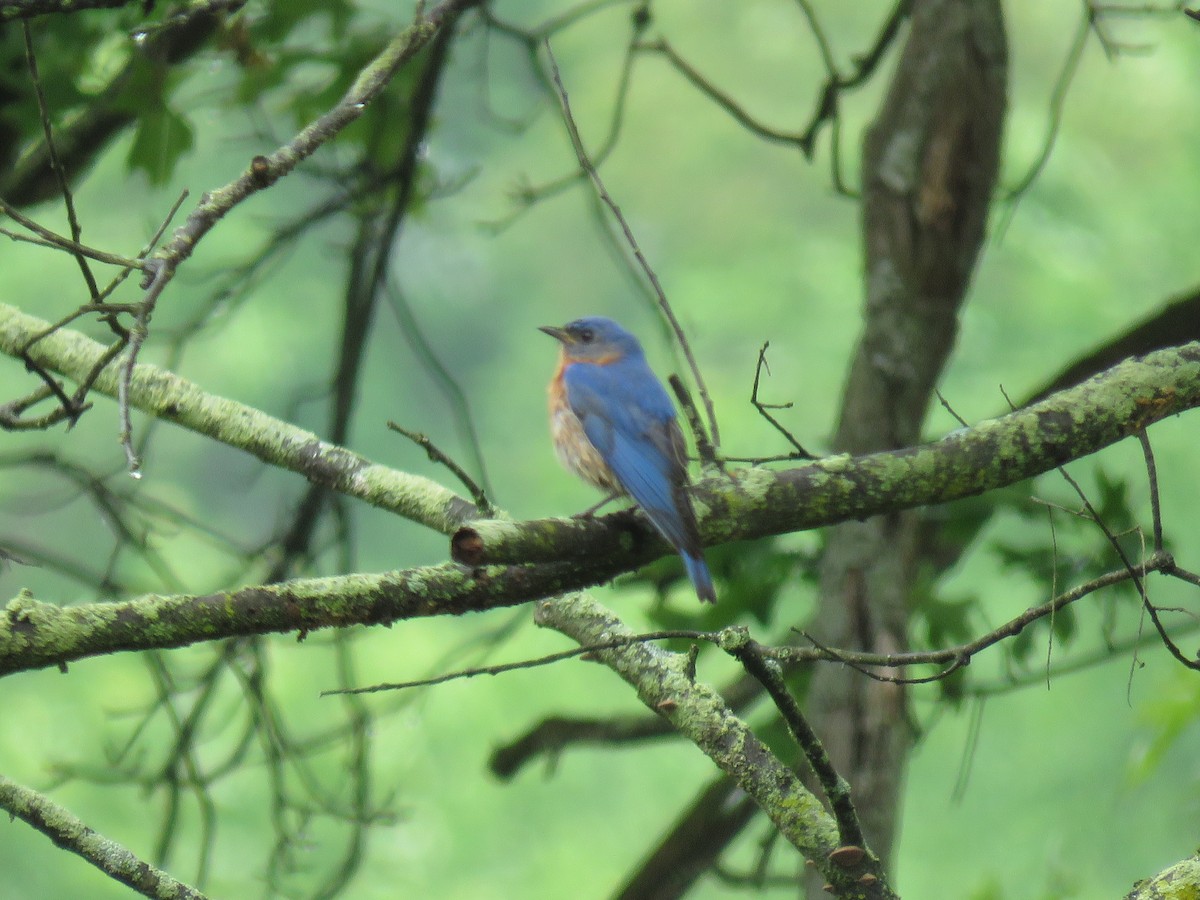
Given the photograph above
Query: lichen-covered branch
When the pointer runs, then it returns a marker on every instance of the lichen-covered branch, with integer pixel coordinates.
(756, 502)
(162, 394)
(665, 684)
(1180, 881)
(71, 833)
(34, 634)
(554, 555)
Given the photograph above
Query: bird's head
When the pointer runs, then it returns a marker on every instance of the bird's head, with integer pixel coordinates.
(595, 340)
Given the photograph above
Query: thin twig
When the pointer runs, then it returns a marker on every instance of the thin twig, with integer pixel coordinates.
(548, 659)
(586, 164)
(960, 655)
(731, 106)
(54, 239)
(1152, 478)
(1150, 608)
(459, 404)
(69, 410)
(1053, 590)
(10, 413)
(526, 195)
(477, 493)
(950, 409)
(1058, 98)
(153, 285)
(828, 97)
(749, 653)
(974, 730)
(708, 456)
(55, 165)
(953, 658)
(117, 328)
(762, 408)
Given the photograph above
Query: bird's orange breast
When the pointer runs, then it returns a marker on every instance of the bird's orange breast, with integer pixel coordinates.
(575, 451)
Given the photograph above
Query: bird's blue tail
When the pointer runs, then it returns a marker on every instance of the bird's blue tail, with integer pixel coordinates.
(697, 571)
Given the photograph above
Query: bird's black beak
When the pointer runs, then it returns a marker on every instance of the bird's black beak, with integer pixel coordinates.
(559, 334)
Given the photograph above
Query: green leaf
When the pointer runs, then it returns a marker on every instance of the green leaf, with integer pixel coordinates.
(105, 61)
(750, 577)
(162, 137)
(1171, 716)
(947, 621)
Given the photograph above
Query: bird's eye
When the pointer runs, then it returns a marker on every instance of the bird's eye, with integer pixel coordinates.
(586, 335)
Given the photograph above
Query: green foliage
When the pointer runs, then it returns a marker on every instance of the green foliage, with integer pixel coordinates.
(1171, 716)
(162, 136)
(1063, 546)
(306, 56)
(750, 576)
(116, 58)
(67, 58)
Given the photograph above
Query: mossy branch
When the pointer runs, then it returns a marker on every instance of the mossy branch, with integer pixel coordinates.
(547, 557)
(70, 833)
(1179, 881)
(757, 502)
(164, 395)
(666, 683)
(34, 634)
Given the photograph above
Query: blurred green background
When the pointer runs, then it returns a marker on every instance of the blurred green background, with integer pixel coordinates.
(1072, 789)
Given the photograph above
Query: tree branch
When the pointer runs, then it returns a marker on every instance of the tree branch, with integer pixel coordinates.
(757, 502)
(575, 553)
(166, 396)
(750, 654)
(28, 9)
(664, 684)
(71, 833)
(34, 634)
(1177, 322)
(264, 171)
(1179, 880)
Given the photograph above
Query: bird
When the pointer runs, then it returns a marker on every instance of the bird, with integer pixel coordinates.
(614, 426)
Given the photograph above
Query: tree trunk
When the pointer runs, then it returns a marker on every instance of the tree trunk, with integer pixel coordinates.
(930, 162)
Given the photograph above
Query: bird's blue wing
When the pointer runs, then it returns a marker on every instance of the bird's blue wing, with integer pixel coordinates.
(628, 417)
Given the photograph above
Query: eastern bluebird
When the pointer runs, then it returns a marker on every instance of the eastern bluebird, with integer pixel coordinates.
(614, 426)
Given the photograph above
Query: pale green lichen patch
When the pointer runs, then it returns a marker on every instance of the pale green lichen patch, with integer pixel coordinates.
(755, 482)
(733, 638)
(22, 606)
(839, 462)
